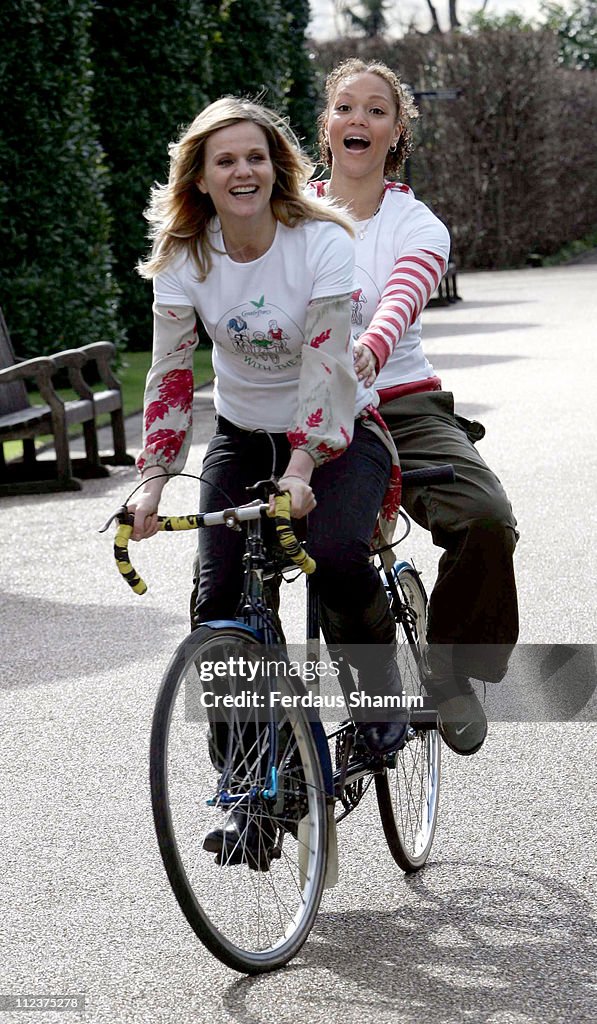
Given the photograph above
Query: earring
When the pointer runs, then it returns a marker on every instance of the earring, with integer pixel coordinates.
(394, 148)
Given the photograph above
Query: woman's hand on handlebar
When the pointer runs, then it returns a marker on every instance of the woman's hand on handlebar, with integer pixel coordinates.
(296, 480)
(302, 499)
(145, 508)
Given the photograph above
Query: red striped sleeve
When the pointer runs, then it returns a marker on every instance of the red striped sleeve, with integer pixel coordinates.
(411, 284)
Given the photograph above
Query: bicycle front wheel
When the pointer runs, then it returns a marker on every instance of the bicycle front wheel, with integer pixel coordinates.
(408, 789)
(251, 901)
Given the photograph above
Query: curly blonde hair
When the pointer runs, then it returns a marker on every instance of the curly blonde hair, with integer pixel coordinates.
(179, 214)
(406, 111)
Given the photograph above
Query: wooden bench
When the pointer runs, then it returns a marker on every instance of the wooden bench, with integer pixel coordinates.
(446, 292)
(108, 400)
(19, 420)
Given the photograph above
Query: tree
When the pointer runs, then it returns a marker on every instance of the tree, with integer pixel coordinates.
(301, 97)
(434, 19)
(55, 262)
(371, 21)
(576, 29)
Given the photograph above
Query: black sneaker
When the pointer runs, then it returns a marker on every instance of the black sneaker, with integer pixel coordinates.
(462, 720)
(244, 839)
(385, 737)
(381, 677)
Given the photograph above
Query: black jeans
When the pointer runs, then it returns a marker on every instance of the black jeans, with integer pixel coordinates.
(349, 492)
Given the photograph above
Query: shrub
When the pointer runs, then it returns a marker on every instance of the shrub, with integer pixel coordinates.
(151, 65)
(301, 98)
(55, 264)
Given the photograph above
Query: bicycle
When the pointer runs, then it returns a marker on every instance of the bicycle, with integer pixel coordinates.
(271, 765)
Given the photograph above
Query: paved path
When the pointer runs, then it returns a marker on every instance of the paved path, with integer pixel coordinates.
(498, 928)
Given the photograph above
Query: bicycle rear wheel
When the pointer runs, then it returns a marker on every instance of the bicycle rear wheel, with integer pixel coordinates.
(408, 789)
(252, 912)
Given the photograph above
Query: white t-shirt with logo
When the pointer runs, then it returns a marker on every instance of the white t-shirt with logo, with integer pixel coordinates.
(255, 315)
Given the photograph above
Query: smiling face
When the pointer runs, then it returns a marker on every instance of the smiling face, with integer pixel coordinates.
(238, 174)
(362, 124)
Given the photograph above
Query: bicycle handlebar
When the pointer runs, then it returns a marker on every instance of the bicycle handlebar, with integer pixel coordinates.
(428, 475)
(286, 537)
(231, 517)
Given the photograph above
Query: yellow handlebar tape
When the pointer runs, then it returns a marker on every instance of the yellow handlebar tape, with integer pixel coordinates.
(121, 545)
(173, 523)
(121, 554)
(169, 523)
(286, 537)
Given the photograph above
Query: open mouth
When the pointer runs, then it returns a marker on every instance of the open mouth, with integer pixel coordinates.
(244, 190)
(356, 143)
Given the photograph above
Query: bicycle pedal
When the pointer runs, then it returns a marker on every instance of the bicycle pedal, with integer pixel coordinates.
(261, 862)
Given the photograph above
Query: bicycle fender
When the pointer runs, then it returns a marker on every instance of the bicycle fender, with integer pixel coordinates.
(323, 752)
(256, 634)
(399, 566)
(319, 736)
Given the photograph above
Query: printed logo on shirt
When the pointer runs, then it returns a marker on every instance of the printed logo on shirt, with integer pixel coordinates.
(364, 301)
(262, 334)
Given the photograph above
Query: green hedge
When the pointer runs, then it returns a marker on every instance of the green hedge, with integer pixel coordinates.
(301, 99)
(96, 91)
(260, 49)
(150, 64)
(57, 288)
(94, 77)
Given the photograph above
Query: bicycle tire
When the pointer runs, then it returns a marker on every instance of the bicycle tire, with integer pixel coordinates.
(408, 790)
(252, 920)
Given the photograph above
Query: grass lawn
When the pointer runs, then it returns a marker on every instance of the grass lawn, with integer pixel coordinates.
(134, 371)
(131, 375)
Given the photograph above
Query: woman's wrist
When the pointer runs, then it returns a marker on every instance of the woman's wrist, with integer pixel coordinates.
(154, 473)
(154, 483)
(300, 465)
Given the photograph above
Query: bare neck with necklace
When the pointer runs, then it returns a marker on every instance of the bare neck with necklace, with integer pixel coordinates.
(362, 226)
(363, 208)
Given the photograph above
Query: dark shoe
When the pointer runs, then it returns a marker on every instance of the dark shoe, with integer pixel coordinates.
(462, 720)
(374, 658)
(385, 737)
(244, 840)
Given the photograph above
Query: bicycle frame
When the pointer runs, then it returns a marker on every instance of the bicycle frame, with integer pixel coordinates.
(254, 617)
(276, 778)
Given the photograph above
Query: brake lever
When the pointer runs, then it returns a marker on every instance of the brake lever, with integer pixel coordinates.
(269, 486)
(120, 514)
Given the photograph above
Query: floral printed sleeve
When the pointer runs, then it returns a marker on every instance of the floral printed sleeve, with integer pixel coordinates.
(327, 384)
(168, 403)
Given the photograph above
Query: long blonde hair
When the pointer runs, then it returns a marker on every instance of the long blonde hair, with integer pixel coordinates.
(179, 214)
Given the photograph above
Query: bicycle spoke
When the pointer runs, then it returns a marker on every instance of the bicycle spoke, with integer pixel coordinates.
(408, 792)
(254, 902)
